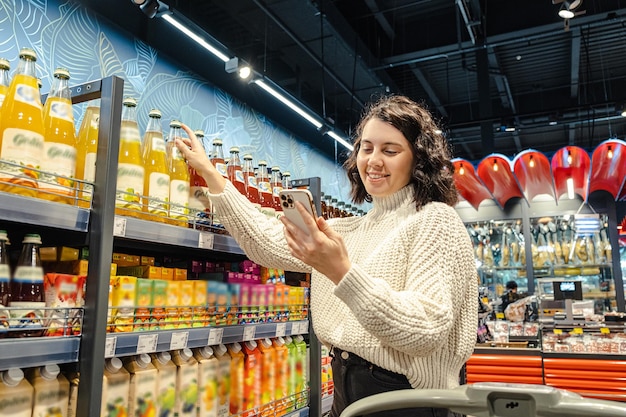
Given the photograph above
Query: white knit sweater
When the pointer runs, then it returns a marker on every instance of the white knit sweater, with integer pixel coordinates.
(409, 302)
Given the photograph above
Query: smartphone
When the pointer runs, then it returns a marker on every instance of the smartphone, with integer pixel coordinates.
(288, 199)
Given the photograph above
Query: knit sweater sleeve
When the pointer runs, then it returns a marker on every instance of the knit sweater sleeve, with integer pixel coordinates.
(419, 318)
(259, 236)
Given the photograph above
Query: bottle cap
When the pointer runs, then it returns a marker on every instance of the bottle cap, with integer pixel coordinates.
(155, 113)
(130, 102)
(175, 123)
(286, 174)
(217, 141)
(279, 341)
(235, 347)
(4, 64)
(3, 235)
(267, 342)
(298, 338)
(32, 238)
(251, 344)
(262, 163)
(28, 53)
(114, 364)
(12, 376)
(275, 168)
(220, 349)
(199, 133)
(50, 371)
(185, 354)
(63, 73)
(247, 157)
(143, 360)
(206, 351)
(234, 149)
(163, 357)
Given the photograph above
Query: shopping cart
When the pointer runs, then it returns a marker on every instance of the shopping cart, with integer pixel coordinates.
(491, 399)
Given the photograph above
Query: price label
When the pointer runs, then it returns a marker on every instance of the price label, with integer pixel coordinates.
(577, 330)
(147, 343)
(248, 333)
(500, 315)
(109, 346)
(205, 240)
(215, 337)
(281, 329)
(179, 340)
(557, 331)
(605, 330)
(300, 327)
(119, 226)
(295, 414)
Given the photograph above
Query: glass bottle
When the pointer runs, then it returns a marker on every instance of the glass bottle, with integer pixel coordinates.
(59, 148)
(5, 79)
(335, 209)
(22, 129)
(323, 204)
(341, 209)
(87, 149)
(329, 213)
(179, 177)
(217, 157)
(265, 189)
(5, 284)
(27, 293)
(199, 203)
(277, 186)
(235, 173)
(287, 180)
(157, 175)
(130, 169)
(252, 190)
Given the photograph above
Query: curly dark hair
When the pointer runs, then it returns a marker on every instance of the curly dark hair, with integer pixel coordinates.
(432, 169)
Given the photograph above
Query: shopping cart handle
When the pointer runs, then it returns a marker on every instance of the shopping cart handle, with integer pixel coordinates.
(491, 399)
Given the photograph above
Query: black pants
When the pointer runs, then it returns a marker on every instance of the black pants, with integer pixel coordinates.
(355, 378)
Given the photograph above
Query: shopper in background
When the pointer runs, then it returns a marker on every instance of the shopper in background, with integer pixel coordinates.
(510, 296)
(394, 292)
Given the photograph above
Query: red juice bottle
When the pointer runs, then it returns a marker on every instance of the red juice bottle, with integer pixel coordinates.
(252, 190)
(265, 189)
(235, 173)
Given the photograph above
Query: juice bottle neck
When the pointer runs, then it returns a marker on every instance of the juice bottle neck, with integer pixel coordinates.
(60, 88)
(27, 67)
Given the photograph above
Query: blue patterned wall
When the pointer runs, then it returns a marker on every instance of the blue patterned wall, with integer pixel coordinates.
(66, 34)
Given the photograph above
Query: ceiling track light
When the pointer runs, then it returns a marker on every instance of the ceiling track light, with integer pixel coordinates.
(152, 8)
(239, 66)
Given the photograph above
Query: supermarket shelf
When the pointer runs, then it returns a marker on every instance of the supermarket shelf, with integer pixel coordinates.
(149, 231)
(27, 352)
(302, 412)
(125, 344)
(327, 403)
(29, 210)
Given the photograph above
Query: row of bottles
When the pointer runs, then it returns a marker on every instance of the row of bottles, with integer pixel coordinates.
(332, 208)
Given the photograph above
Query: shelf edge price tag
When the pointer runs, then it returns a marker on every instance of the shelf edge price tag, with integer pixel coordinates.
(605, 330)
(577, 330)
(179, 340)
(147, 343)
(281, 329)
(500, 315)
(215, 337)
(119, 226)
(557, 331)
(109, 346)
(205, 240)
(248, 333)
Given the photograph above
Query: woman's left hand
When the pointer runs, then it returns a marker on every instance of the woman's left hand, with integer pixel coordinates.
(322, 249)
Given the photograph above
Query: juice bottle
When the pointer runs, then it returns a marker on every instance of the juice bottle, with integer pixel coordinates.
(74, 380)
(252, 368)
(287, 180)
(268, 376)
(87, 148)
(207, 381)
(27, 292)
(52, 391)
(130, 170)
(282, 375)
(217, 157)
(21, 129)
(5, 79)
(252, 190)
(266, 198)
(166, 384)
(157, 176)
(59, 148)
(236, 377)
(301, 370)
(115, 388)
(16, 394)
(5, 285)
(199, 203)
(186, 382)
(235, 174)
(179, 176)
(223, 380)
(143, 385)
(277, 186)
(292, 360)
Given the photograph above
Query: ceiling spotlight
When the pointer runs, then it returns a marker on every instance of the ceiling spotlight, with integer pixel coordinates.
(568, 8)
(151, 8)
(238, 66)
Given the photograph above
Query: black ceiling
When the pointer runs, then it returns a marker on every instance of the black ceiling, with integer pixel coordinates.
(475, 63)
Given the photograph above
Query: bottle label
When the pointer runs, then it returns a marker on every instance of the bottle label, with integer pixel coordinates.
(129, 186)
(239, 176)
(276, 190)
(199, 198)
(27, 315)
(2, 96)
(5, 273)
(89, 175)
(179, 197)
(222, 169)
(158, 144)
(61, 110)
(27, 94)
(130, 134)
(158, 191)
(264, 187)
(28, 274)
(58, 159)
(24, 148)
(252, 182)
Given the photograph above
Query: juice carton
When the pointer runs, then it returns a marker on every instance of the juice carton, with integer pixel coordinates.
(223, 380)
(259, 293)
(302, 362)
(211, 302)
(74, 379)
(52, 391)
(186, 382)
(200, 317)
(234, 308)
(16, 394)
(142, 394)
(268, 376)
(171, 305)
(282, 375)
(159, 300)
(143, 302)
(222, 303)
(166, 384)
(292, 380)
(281, 292)
(62, 291)
(236, 377)
(244, 301)
(252, 368)
(123, 302)
(207, 381)
(115, 387)
(185, 311)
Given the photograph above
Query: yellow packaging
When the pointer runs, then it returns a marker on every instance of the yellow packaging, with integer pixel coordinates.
(282, 374)
(200, 311)
(152, 272)
(81, 267)
(268, 376)
(167, 273)
(159, 299)
(143, 302)
(60, 253)
(207, 381)
(186, 382)
(180, 274)
(185, 312)
(113, 269)
(223, 380)
(171, 305)
(115, 387)
(142, 394)
(146, 260)
(16, 394)
(166, 384)
(251, 377)
(52, 390)
(123, 302)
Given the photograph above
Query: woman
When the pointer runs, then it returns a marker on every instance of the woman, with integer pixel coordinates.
(394, 292)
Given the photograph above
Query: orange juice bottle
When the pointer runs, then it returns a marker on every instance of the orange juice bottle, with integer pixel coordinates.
(236, 377)
(166, 384)
(157, 175)
(186, 382)
(179, 175)
(87, 148)
(207, 381)
(21, 129)
(59, 156)
(282, 375)
(5, 79)
(252, 367)
(115, 387)
(223, 380)
(52, 390)
(130, 170)
(268, 376)
(143, 385)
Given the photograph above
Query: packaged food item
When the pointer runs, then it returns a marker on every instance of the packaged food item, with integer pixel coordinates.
(52, 390)
(142, 394)
(27, 291)
(115, 388)
(186, 382)
(166, 384)
(223, 380)
(236, 378)
(16, 394)
(208, 366)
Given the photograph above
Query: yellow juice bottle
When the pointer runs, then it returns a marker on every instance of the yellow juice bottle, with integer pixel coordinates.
(87, 148)
(115, 388)
(282, 375)
(52, 391)
(186, 382)
(268, 376)
(207, 381)
(5, 79)
(236, 377)
(143, 386)
(179, 176)
(223, 380)
(59, 149)
(130, 170)
(16, 394)
(21, 130)
(157, 177)
(166, 384)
